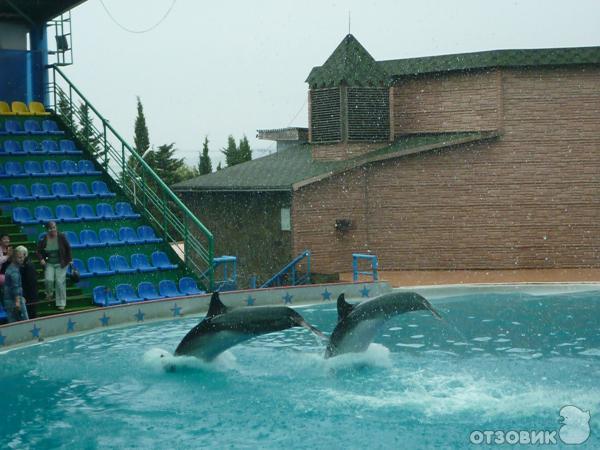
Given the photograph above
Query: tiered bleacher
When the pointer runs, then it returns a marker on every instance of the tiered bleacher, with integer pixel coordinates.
(47, 174)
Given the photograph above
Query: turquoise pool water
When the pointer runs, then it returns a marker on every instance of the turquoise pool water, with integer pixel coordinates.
(503, 362)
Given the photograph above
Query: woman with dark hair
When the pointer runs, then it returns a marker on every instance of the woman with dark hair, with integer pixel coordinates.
(29, 283)
(54, 253)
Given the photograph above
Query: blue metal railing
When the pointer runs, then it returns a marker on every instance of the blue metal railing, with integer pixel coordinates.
(289, 274)
(356, 257)
(188, 237)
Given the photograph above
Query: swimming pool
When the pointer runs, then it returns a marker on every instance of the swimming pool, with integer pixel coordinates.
(502, 362)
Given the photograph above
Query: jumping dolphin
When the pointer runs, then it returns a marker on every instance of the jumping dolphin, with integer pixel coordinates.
(223, 328)
(358, 324)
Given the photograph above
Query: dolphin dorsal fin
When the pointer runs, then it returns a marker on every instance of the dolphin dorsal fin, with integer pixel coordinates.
(344, 308)
(216, 307)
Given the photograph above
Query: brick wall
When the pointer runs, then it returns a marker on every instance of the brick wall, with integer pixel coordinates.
(459, 101)
(341, 151)
(530, 199)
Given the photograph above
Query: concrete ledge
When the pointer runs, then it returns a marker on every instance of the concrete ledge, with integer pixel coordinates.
(32, 331)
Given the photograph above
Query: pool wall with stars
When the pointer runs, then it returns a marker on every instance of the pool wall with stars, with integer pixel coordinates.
(31, 331)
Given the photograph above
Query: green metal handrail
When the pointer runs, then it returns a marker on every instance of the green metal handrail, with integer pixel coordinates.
(160, 206)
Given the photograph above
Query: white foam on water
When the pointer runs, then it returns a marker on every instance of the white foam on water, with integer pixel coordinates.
(446, 394)
(376, 355)
(162, 360)
(395, 328)
(401, 344)
(482, 339)
(591, 352)
(417, 336)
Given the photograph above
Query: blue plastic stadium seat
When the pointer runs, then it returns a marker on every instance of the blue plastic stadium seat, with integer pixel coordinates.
(126, 294)
(69, 167)
(51, 147)
(127, 234)
(40, 191)
(64, 213)
(32, 148)
(147, 291)
(80, 189)
(87, 167)
(101, 189)
(51, 167)
(103, 296)
(89, 238)
(146, 234)
(2, 172)
(98, 266)
(12, 147)
(61, 190)
(80, 266)
(73, 239)
(105, 211)
(43, 214)
(4, 195)
(188, 286)
(34, 169)
(13, 169)
(23, 215)
(86, 212)
(119, 264)
(140, 262)
(108, 237)
(31, 126)
(168, 288)
(20, 192)
(13, 127)
(124, 210)
(51, 127)
(68, 147)
(161, 260)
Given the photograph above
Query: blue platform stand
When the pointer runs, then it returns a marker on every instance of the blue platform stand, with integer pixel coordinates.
(356, 257)
(228, 280)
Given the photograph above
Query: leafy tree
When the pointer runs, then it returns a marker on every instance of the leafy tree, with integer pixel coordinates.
(186, 172)
(245, 153)
(86, 132)
(204, 163)
(219, 166)
(164, 163)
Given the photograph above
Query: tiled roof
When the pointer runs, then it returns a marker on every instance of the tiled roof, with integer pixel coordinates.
(336, 67)
(294, 166)
(351, 64)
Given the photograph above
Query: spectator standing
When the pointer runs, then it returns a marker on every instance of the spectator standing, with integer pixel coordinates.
(29, 283)
(12, 299)
(54, 253)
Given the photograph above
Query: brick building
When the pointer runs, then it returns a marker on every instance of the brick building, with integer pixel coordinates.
(487, 160)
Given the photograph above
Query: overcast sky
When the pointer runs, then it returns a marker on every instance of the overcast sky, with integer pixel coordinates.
(232, 67)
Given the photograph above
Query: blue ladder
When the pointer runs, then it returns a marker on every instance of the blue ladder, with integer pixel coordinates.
(356, 257)
(290, 271)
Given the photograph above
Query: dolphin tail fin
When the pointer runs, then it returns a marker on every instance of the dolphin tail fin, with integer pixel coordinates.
(431, 309)
(343, 307)
(303, 323)
(216, 307)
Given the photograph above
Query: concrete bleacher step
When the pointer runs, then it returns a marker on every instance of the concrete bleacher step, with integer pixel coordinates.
(74, 303)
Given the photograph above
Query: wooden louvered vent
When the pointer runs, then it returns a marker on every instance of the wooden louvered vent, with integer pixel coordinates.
(368, 114)
(326, 120)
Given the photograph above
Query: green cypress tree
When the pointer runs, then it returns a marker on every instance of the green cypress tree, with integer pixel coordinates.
(231, 152)
(141, 137)
(204, 164)
(65, 110)
(86, 133)
(245, 153)
(165, 164)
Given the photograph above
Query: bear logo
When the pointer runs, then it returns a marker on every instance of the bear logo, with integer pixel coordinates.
(576, 427)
